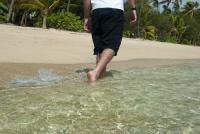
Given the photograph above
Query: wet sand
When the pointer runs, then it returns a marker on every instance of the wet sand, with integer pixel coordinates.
(12, 71)
(23, 51)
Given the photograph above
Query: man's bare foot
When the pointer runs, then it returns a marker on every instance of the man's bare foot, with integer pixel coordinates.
(92, 76)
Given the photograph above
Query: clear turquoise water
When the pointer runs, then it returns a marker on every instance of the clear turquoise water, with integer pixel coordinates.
(155, 100)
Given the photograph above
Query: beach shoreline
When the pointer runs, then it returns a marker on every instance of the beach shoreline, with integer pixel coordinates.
(25, 50)
(13, 71)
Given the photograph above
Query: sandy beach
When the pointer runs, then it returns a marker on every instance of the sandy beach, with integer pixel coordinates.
(34, 45)
(24, 50)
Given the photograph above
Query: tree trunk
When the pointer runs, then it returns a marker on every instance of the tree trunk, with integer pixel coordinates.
(13, 17)
(44, 22)
(10, 11)
(45, 14)
(23, 19)
(140, 13)
(68, 5)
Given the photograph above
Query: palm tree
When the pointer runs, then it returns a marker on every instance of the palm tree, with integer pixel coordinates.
(44, 6)
(166, 10)
(176, 8)
(178, 27)
(189, 8)
(168, 2)
(68, 5)
(17, 9)
(156, 4)
(10, 10)
(25, 12)
(144, 9)
(74, 6)
(176, 5)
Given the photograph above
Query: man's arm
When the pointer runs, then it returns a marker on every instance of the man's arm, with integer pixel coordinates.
(134, 11)
(132, 3)
(87, 6)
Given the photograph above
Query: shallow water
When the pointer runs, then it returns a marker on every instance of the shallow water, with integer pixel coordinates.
(155, 100)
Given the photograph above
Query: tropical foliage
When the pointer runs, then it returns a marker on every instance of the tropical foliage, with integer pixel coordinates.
(3, 11)
(43, 6)
(167, 20)
(162, 20)
(63, 20)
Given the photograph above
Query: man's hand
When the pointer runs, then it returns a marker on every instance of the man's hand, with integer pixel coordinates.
(87, 6)
(133, 12)
(133, 17)
(87, 25)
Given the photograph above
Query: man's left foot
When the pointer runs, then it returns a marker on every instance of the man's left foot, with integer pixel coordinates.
(92, 76)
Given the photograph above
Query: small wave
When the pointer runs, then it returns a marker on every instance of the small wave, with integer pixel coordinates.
(44, 76)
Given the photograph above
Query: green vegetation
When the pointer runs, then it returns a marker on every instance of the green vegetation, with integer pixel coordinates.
(43, 6)
(63, 20)
(165, 20)
(66, 21)
(3, 11)
(175, 23)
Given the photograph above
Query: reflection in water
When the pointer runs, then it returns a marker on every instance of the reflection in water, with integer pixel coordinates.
(144, 100)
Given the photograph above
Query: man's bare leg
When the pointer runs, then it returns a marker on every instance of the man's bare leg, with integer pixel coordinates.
(98, 57)
(106, 57)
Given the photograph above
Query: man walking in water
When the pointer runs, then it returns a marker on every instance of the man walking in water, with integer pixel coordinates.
(107, 19)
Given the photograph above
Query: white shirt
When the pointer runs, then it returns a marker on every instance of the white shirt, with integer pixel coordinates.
(117, 4)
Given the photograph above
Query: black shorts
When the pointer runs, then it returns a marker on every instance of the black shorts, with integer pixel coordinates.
(107, 29)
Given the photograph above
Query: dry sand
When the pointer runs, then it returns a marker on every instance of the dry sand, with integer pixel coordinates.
(24, 50)
(34, 45)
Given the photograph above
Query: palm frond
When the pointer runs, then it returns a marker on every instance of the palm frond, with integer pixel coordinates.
(3, 7)
(54, 4)
(39, 3)
(164, 1)
(47, 3)
(30, 6)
